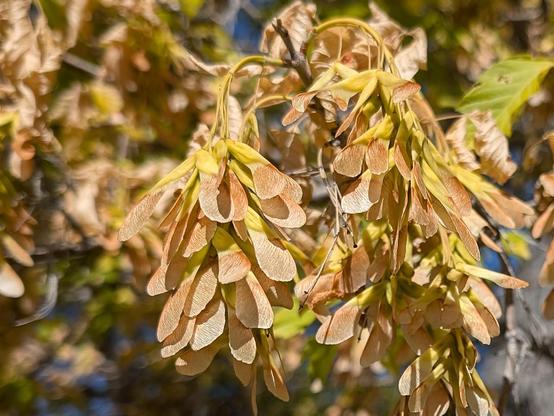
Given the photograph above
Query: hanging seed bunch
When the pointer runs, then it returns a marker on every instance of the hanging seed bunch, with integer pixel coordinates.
(226, 262)
(398, 272)
(412, 276)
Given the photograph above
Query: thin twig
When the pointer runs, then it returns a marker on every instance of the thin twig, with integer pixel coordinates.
(297, 59)
(47, 305)
(508, 377)
(303, 172)
(81, 64)
(320, 270)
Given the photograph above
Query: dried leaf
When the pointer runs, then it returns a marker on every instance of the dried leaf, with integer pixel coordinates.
(377, 156)
(473, 323)
(413, 57)
(492, 147)
(268, 181)
(200, 236)
(201, 291)
(233, 264)
(349, 161)
(546, 275)
(414, 375)
(277, 293)
(376, 346)
(180, 338)
(438, 401)
(14, 250)
(544, 223)
(244, 372)
(239, 200)
(172, 310)
(215, 197)
(356, 197)
(275, 382)
(456, 138)
(297, 19)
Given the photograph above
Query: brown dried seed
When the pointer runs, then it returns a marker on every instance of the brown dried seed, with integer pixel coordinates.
(138, 216)
(202, 290)
(284, 212)
(209, 324)
(191, 363)
(253, 308)
(340, 326)
(180, 338)
(241, 340)
(274, 259)
(349, 160)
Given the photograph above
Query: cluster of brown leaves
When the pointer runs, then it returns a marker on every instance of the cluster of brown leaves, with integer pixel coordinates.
(86, 129)
(30, 55)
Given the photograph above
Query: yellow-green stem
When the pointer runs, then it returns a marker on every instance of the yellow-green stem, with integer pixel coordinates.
(221, 116)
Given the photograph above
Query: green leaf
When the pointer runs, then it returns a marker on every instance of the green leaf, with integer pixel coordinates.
(288, 323)
(505, 87)
(320, 359)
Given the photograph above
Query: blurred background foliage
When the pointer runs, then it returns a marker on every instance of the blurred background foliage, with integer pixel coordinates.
(112, 113)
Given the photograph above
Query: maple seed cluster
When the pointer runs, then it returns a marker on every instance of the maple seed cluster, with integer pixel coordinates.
(395, 279)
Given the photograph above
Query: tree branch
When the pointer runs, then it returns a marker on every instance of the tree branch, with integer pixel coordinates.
(297, 58)
(511, 347)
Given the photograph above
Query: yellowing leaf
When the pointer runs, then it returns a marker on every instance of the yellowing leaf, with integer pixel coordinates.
(176, 174)
(504, 88)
